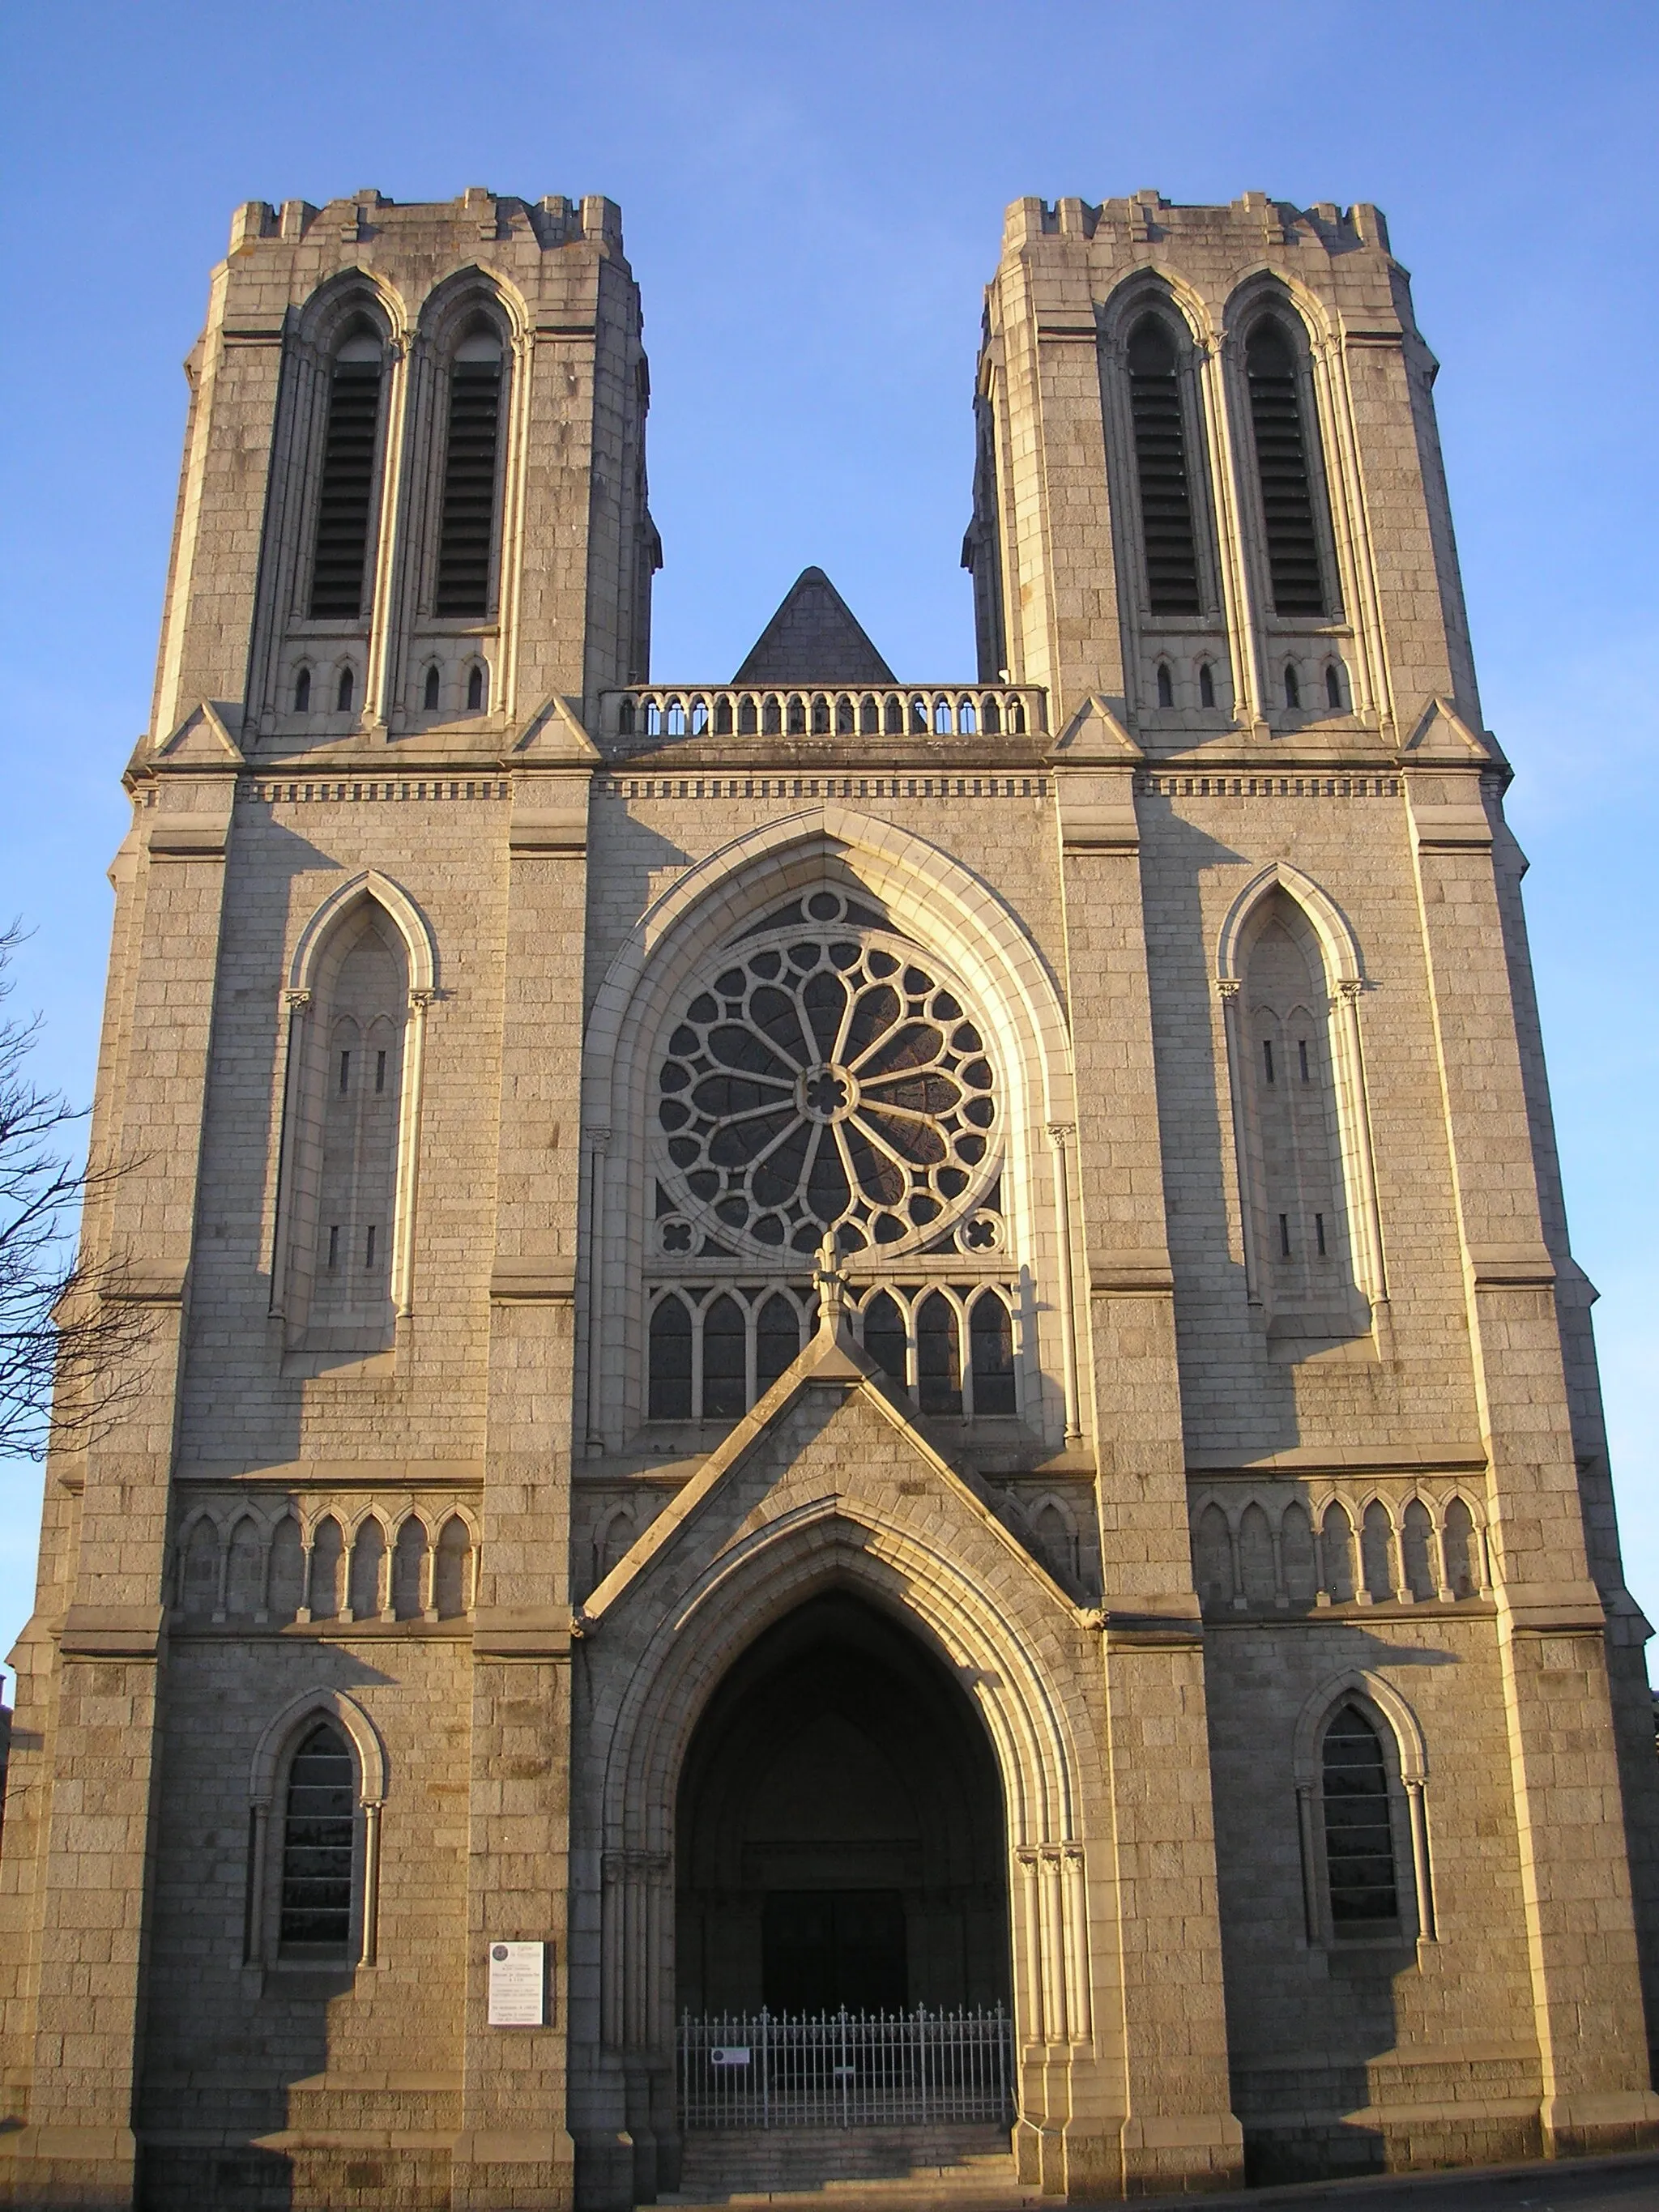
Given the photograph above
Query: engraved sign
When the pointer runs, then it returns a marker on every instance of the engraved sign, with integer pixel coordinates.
(729, 2054)
(518, 1984)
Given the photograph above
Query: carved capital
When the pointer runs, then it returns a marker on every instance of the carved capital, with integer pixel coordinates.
(1229, 986)
(424, 998)
(1060, 1134)
(296, 1001)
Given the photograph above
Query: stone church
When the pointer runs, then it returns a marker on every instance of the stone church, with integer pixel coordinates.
(867, 1445)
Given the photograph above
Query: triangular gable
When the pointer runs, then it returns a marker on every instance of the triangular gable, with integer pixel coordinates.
(1096, 736)
(1444, 735)
(813, 638)
(832, 1360)
(554, 732)
(201, 740)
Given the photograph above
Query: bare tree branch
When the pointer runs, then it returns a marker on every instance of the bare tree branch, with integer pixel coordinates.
(70, 1334)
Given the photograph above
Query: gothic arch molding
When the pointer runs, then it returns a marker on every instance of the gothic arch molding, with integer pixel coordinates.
(1263, 290)
(419, 944)
(1014, 1664)
(350, 292)
(325, 1705)
(1337, 941)
(922, 886)
(1344, 979)
(1359, 1682)
(1157, 288)
(466, 292)
(930, 897)
(310, 976)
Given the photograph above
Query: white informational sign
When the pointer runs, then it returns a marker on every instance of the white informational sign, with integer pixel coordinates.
(729, 2054)
(518, 1984)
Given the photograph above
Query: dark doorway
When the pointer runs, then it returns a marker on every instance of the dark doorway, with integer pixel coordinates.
(824, 1948)
(840, 1828)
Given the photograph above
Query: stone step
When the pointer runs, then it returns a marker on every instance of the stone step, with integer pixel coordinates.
(962, 2169)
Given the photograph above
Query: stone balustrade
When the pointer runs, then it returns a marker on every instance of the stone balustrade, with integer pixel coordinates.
(691, 711)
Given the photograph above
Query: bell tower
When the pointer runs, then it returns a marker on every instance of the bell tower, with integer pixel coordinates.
(413, 491)
(1209, 485)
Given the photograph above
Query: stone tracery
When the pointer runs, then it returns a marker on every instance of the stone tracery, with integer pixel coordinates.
(826, 1077)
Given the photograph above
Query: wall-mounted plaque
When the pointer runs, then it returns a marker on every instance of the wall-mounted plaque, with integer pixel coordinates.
(518, 1984)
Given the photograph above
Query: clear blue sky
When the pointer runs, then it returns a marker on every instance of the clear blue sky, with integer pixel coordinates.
(812, 199)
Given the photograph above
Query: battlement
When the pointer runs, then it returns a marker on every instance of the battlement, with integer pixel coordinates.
(1254, 220)
(477, 214)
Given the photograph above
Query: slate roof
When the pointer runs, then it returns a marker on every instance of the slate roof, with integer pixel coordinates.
(813, 638)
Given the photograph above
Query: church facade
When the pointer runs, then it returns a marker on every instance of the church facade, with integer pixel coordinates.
(823, 1347)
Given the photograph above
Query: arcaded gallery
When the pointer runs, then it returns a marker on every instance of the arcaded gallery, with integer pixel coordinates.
(867, 1457)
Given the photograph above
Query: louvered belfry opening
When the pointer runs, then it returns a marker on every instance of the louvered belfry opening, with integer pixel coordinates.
(1281, 460)
(467, 530)
(345, 498)
(1166, 503)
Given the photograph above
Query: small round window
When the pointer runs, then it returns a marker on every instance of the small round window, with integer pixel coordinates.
(827, 1075)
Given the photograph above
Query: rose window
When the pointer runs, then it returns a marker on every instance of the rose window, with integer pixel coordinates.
(827, 1077)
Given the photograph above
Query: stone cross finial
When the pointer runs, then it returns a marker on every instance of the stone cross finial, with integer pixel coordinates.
(830, 1283)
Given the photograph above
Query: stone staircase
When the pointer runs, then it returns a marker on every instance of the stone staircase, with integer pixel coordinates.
(957, 2169)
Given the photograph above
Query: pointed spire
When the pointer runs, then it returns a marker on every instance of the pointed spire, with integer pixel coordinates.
(813, 638)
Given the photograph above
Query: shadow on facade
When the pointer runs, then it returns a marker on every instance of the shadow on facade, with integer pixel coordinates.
(1313, 2013)
(1202, 1195)
(237, 2049)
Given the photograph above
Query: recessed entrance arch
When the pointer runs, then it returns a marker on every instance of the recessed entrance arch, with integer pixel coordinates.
(840, 1838)
(682, 1622)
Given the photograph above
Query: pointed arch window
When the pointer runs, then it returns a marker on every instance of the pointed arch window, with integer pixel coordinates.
(345, 497)
(466, 529)
(885, 1338)
(991, 1354)
(938, 1356)
(319, 1827)
(1359, 1847)
(725, 1394)
(1168, 540)
(1284, 471)
(317, 1790)
(670, 1360)
(1361, 1769)
(777, 1340)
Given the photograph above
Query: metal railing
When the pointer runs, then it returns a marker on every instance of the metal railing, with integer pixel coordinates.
(846, 2069)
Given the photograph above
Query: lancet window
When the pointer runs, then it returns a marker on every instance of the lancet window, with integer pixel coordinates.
(1359, 1850)
(318, 1834)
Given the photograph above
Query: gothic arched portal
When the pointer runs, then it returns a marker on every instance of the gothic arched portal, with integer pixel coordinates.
(840, 1829)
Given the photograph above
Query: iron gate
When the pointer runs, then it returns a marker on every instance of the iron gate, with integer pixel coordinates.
(848, 2069)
